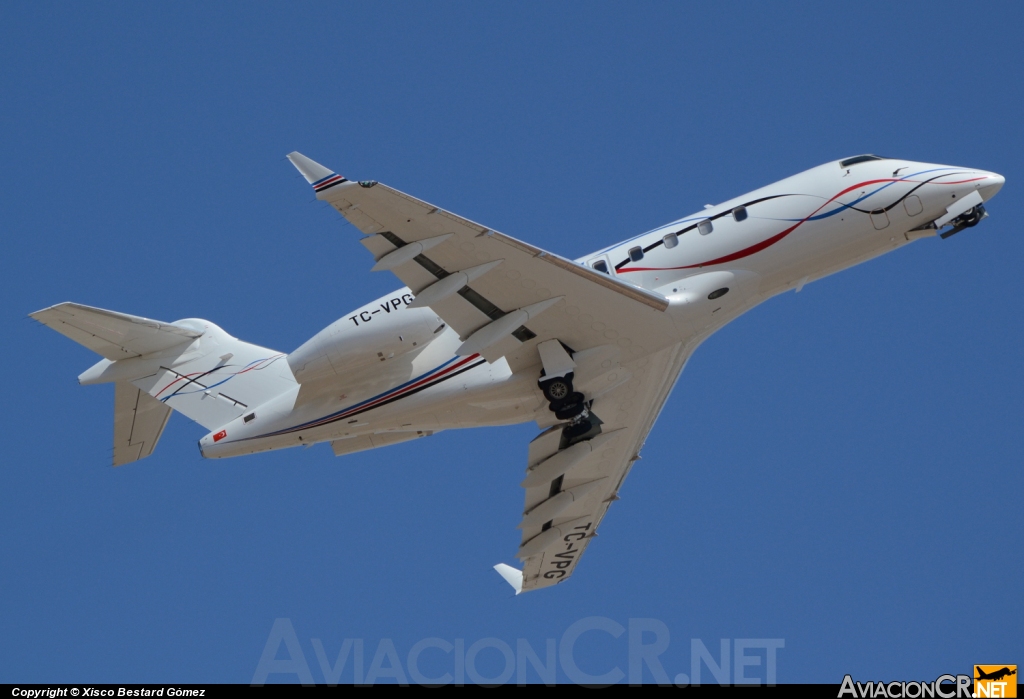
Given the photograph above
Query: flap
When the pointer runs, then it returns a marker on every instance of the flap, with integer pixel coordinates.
(503, 277)
(579, 483)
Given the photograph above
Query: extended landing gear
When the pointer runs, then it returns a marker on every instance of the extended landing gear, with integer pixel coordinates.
(567, 404)
(558, 388)
(968, 219)
(972, 217)
(579, 431)
(571, 408)
(564, 402)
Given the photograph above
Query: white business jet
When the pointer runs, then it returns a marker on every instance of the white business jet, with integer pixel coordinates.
(490, 330)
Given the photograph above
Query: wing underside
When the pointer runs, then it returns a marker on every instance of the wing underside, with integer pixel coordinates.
(578, 499)
(505, 298)
(501, 295)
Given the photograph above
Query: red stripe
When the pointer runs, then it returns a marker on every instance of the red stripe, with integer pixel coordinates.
(422, 381)
(196, 373)
(779, 236)
(180, 378)
(327, 182)
(393, 394)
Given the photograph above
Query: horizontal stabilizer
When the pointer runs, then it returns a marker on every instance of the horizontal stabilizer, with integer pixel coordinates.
(513, 576)
(110, 334)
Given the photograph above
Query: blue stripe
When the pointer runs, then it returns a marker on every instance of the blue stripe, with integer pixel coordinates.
(844, 207)
(385, 394)
(333, 174)
(219, 383)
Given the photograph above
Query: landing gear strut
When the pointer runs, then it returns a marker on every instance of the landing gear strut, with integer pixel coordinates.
(968, 219)
(567, 404)
(971, 217)
(563, 401)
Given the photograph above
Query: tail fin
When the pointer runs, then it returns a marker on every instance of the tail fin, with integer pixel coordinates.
(139, 420)
(191, 366)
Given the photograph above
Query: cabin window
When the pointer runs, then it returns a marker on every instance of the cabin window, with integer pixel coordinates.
(740, 213)
(600, 266)
(671, 240)
(636, 254)
(705, 226)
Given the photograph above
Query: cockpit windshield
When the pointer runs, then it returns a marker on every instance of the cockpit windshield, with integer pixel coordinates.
(860, 159)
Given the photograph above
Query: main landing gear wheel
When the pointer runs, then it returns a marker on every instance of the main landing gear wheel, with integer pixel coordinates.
(570, 408)
(557, 389)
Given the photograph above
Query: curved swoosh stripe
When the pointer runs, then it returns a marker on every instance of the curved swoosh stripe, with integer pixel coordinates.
(758, 247)
(449, 369)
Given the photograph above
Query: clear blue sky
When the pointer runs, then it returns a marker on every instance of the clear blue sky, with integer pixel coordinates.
(840, 468)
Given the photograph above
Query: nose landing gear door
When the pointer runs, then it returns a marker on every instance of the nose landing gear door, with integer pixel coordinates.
(602, 264)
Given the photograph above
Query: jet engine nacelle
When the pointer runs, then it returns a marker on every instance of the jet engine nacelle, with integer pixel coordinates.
(374, 334)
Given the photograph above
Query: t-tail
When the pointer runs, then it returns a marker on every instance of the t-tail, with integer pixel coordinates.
(191, 366)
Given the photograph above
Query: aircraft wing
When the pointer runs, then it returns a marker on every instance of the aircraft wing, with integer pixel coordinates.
(562, 514)
(505, 297)
(501, 295)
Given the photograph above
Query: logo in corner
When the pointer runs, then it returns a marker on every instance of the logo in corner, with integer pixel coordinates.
(224, 433)
(995, 681)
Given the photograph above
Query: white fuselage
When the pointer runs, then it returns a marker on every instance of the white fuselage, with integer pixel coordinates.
(386, 369)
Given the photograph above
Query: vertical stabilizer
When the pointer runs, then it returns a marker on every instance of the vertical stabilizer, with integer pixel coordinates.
(139, 420)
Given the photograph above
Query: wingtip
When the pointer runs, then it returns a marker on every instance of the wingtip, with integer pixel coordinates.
(513, 576)
(316, 174)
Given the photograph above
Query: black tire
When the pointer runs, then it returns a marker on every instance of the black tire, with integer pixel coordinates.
(971, 218)
(572, 398)
(557, 389)
(571, 408)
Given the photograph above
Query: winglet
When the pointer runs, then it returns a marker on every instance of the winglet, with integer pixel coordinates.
(316, 174)
(513, 576)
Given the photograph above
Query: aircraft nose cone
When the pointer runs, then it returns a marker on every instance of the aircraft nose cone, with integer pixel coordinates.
(993, 183)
